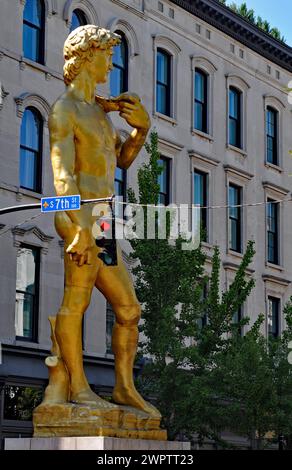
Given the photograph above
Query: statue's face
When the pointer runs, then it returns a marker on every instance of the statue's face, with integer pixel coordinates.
(101, 64)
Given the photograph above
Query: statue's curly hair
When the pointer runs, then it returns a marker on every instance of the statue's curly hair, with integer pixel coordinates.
(79, 47)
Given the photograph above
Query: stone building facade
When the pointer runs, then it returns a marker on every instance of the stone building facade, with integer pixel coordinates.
(215, 88)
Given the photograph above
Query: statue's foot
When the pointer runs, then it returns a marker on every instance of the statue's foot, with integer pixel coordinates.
(130, 397)
(88, 397)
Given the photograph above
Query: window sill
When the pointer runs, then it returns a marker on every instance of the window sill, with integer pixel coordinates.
(242, 152)
(203, 135)
(163, 117)
(276, 168)
(32, 63)
(275, 267)
(235, 254)
(28, 192)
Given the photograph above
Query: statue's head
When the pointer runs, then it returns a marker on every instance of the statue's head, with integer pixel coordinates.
(81, 45)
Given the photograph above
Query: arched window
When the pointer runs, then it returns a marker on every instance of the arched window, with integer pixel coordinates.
(163, 82)
(33, 37)
(272, 135)
(235, 121)
(201, 101)
(119, 74)
(31, 137)
(78, 19)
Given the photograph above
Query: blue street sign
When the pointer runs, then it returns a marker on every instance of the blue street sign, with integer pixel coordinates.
(60, 203)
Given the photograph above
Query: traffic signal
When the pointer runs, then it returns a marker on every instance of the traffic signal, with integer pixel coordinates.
(107, 240)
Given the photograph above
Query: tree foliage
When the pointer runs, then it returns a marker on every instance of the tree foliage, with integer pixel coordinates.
(249, 14)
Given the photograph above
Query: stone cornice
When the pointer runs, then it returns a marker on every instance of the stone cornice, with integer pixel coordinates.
(237, 27)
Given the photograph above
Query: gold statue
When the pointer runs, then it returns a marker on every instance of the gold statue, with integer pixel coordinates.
(85, 149)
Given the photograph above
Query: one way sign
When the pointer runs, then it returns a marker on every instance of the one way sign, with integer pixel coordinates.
(60, 203)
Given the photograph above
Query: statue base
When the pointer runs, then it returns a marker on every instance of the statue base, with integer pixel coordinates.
(92, 443)
(72, 420)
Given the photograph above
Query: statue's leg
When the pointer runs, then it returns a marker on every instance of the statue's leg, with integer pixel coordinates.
(117, 286)
(79, 282)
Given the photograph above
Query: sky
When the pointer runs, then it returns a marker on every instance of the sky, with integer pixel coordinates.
(277, 12)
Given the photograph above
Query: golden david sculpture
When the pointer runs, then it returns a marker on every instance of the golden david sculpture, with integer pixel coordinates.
(85, 149)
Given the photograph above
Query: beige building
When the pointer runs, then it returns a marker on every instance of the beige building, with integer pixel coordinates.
(214, 86)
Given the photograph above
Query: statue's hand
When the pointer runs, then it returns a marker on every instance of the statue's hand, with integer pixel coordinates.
(79, 250)
(132, 110)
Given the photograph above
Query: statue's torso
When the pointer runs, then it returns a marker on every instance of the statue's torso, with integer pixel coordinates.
(95, 157)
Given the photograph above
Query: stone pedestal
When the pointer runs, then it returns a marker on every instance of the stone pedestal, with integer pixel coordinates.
(92, 443)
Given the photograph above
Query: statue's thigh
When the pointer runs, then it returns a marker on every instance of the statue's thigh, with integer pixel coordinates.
(116, 284)
(81, 276)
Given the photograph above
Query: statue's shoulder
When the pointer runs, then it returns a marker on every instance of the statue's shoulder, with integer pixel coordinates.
(63, 106)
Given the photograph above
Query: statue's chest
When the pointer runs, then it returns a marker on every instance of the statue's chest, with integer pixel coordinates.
(94, 128)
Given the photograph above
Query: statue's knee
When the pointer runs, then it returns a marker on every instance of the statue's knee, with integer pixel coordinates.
(76, 300)
(128, 315)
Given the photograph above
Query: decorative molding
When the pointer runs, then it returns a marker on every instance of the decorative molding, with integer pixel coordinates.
(20, 232)
(276, 280)
(29, 99)
(267, 185)
(238, 173)
(229, 266)
(84, 5)
(210, 161)
(202, 62)
(163, 41)
(130, 34)
(170, 145)
(235, 80)
(238, 28)
(271, 100)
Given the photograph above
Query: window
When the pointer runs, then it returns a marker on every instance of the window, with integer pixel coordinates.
(163, 82)
(31, 136)
(273, 316)
(120, 190)
(272, 232)
(201, 199)
(237, 317)
(272, 135)
(27, 289)
(119, 74)
(201, 104)
(110, 320)
(234, 117)
(34, 30)
(78, 19)
(164, 181)
(235, 242)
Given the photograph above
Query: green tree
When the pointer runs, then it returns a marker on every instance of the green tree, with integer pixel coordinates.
(249, 14)
(170, 284)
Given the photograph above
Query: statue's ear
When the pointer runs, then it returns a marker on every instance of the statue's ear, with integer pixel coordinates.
(107, 105)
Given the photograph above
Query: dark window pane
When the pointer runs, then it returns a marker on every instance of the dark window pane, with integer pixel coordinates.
(30, 150)
(163, 82)
(26, 291)
(33, 30)
(161, 99)
(33, 12)
(200, 111)
(234, 117)
(20, 401)
(272, 232)
(78, 19)
(164, 181)
(273, 316)
(271, 136)
(28, 164)
(235, 229)
(119, 74)
(31, 42)
(201, 198)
